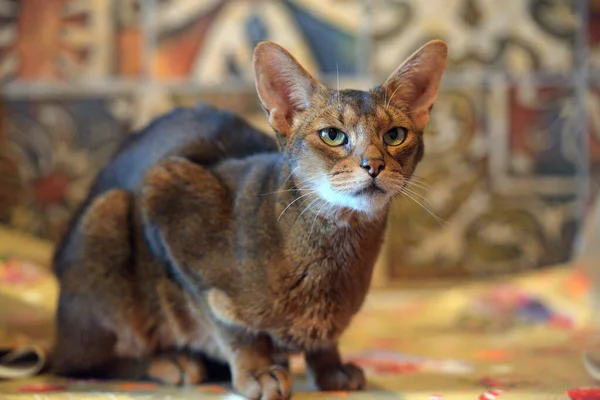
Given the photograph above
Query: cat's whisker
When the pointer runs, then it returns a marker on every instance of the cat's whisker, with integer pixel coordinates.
(416, 177)
(420, 196)
(289, 205)
(430, 212)
(336, 173)
(221, 146)
(345, 190)
(418, 185)
(392, 96)
(409, 112)
(315, 219)
(307, 184)
(337, 71)
(294, 189)
(311, 179)
(438, 219)
(384, 93)
(290, 175)
(418, 182)
(307, 207)
(308, 199)
(333, 214)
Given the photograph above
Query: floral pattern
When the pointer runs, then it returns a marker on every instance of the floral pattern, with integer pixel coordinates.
(512, 151)
(58, 146)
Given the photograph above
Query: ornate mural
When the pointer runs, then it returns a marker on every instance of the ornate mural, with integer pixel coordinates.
(512, 151)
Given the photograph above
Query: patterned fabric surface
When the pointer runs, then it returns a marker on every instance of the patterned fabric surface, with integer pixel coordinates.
(512, 151)
(519, 338)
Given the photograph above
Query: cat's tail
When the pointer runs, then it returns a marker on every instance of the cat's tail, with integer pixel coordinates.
(22, 362)
(591, 366)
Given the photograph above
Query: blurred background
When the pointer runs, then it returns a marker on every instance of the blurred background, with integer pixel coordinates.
(512, 152)
(492, 241)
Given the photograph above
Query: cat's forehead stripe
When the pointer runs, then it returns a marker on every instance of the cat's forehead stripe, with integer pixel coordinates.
(362, 102)
(384, 113)
(350, 116)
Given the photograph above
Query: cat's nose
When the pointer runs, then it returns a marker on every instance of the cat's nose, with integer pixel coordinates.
(373, 166)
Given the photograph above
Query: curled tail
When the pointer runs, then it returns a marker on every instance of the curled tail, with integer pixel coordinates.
(23, 362)
(592, 366)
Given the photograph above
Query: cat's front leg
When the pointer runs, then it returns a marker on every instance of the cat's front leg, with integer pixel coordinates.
(327, 372)
(257, 367)
(257, 376)
(254, 369)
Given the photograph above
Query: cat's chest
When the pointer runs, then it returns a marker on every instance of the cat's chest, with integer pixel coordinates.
(315, 305)
(321, 283)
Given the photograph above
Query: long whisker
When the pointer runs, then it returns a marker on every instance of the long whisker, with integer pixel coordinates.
(419, 185)
(295, 200)
(337, 71)
(420, 196)
(306, 208)
(315, 219)
(333, 215)
(418, 182)
(410, 112)
(384, 87)
(290, 190)
(415, 177)
(310, 179)
(392, 96)
(307, 183)
(438, 219)
(308, 199)
(290, 175)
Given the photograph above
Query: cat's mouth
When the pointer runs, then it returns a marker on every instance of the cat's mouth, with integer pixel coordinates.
(369, 190)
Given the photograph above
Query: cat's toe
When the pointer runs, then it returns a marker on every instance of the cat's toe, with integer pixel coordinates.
(343, 377)
(163, 370)
(176, 370)
(271, 384)
(193, 370)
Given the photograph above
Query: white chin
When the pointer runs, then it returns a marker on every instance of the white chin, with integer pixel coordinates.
(368, 203)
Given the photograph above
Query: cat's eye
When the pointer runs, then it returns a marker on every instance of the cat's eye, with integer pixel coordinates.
(395, 136)
(333, 136)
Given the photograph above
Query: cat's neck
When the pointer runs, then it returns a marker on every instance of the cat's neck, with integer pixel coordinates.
(295, 198)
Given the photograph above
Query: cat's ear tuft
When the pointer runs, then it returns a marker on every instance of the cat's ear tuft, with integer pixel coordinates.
(284, 86)
(415, 83)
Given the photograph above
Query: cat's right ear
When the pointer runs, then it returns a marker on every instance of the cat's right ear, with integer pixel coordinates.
(284, 86)
(415, 83)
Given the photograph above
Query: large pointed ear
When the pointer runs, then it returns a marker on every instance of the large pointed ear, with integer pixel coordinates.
(415, 83)
(284, 87)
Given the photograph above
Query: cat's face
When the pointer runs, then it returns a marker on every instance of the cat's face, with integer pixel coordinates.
(355, 150)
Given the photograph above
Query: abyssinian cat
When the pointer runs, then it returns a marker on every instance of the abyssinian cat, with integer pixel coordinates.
(206, 241)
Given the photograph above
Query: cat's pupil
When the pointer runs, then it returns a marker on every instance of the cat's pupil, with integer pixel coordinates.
(333, 133)
(393, 134)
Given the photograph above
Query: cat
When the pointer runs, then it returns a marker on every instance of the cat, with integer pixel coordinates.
(206, 243)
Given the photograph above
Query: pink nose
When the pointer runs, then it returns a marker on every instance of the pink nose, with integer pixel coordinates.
(373, 166)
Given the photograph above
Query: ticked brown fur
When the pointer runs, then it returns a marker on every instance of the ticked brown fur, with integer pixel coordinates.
(202, 242)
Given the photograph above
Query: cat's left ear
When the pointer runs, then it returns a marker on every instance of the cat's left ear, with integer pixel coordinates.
(284, 86)
(415, 83)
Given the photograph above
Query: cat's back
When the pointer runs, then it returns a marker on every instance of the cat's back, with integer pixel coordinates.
(203, 134)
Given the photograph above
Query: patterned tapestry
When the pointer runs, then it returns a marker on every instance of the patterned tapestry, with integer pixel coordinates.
(512, 153)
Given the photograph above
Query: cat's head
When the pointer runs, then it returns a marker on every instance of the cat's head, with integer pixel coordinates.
(355, 150)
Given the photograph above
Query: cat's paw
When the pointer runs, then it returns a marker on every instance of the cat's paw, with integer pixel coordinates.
(342, 377)
(176, 370)
(273, 383)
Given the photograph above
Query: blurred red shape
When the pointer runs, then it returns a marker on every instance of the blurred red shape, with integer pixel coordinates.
(584, 394)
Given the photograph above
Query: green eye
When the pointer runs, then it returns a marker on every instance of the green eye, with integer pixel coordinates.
(333, 136)
(395, 136)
